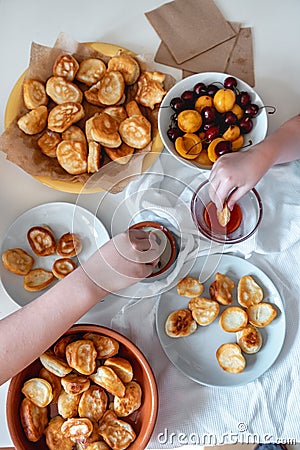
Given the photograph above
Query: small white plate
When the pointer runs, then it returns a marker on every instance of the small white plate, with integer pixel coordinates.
(195, 355)
(61, 218)
(260, 123)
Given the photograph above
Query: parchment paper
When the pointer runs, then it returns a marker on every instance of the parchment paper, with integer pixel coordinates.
(22, 149)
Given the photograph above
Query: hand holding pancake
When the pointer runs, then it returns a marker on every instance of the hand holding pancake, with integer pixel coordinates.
(124, 260)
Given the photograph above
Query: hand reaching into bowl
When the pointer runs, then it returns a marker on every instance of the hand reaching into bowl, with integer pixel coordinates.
(234, 174)
(28, 332)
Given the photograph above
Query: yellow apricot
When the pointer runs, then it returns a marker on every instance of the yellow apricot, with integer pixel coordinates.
(224, 100)
(232, 133)
(201, 102)
(203, 159)
(237, 110)
(188, 146)
(189, 120)
(238, 143)
(211, 149)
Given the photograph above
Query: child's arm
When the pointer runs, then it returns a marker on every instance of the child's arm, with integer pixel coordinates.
(239, 172)
(28, 332)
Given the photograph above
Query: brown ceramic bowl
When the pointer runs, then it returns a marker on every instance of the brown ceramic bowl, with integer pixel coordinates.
(143, 420)
(169, 255)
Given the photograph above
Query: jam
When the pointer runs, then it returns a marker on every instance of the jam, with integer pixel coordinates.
(211, 219)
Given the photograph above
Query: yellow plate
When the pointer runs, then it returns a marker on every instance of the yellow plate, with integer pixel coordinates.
(76, 188)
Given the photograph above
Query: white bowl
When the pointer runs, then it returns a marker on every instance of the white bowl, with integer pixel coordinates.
(260, 122)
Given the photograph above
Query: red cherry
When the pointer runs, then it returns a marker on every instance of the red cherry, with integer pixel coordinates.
(246, 125)
(173, 133)
(251, 110)
(177, 104)
(200, 89)
(209, 114)
(212, 132)
(230, 82)
(188, 96)
(223, 147)
(243, 99)
(230, 118)
(212, 89)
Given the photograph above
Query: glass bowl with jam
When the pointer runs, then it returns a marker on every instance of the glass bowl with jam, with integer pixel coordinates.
(244, 217)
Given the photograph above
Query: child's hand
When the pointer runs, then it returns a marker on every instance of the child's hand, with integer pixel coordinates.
(232, 176)
(124, 260)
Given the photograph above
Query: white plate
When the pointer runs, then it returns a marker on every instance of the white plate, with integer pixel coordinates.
(260, 123)
(61, 218)
(195, 355)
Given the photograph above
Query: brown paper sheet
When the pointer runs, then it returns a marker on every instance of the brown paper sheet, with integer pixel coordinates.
(241, 63)
(213, 60)
(22, 149)
(190, 27)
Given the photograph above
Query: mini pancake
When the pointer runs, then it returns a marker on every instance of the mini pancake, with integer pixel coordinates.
(62, 267)
(55, 364)
(190, 287)
(127, 65)
(249, 292)
(123, 406)
(38, 279)
(38, 390)
(48, 143)
(93, 403)
(135, 131)
(111, 88)
(249, 339)
(55, 438)
(94, 157)
(230, 358)
(65, 66)
(221, 289)
(150, 89)
(41, 240)
(261, 314)
(121, 367)
(34, 420)
(180, 323)
(64, 115)
(109, 380)
(34, 93)
(69, 245)
(17, 261)
(34, 121)
(60, 90)
(105, 346)
(74, 383)
(233, 319)
(67, 404)
(81, 356)
(90, 71)
(77, 428)
(204, 310)
(115, 432)
(121, 155)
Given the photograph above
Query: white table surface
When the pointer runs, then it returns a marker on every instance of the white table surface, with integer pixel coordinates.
(276, 37)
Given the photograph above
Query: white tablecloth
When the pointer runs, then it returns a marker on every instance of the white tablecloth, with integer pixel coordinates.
(265, 410)
(268, 407)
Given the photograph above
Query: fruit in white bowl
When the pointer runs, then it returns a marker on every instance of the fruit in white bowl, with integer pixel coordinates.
(209, 114)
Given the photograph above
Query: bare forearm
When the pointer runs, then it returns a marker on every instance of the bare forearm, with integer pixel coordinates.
(28, 332)
(282, 146)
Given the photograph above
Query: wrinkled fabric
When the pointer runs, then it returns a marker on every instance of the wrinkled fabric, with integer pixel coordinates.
(265, 410)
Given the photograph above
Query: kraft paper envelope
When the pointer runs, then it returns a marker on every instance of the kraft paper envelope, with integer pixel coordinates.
(190, 27)
(213, 60)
